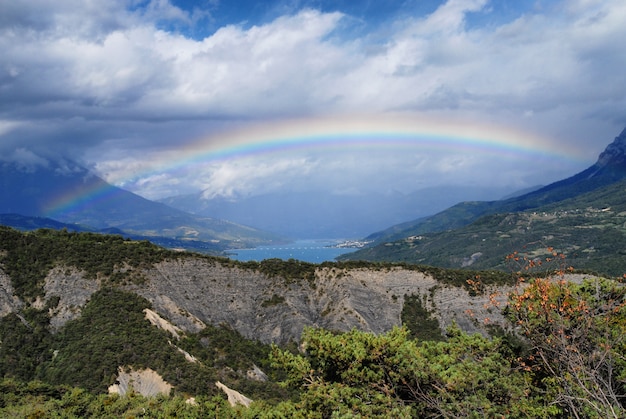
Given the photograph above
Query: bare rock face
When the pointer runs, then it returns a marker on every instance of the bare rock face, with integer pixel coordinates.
(615, 153)
(73, 291)
(145, 382)
(246, 300)
(158, 321)
(256, 374)
(191, 291)
(234, 397)
(8, 300)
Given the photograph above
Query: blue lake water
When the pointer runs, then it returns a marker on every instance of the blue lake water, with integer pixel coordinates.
(314, 251)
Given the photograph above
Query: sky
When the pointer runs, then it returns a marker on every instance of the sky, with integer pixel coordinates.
(236, 98)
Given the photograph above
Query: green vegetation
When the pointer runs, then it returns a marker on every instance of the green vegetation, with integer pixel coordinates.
(420, 323)
(289, 270)
(112, 331)
(358, 374)
(41, 400)
(589, 229)
(28, 257)
(565, 359)
(25, 345)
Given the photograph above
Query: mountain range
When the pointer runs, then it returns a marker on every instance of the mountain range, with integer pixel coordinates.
(68, 193)
(609, 168)
(62, 194)
(321, 214)
(582, 216)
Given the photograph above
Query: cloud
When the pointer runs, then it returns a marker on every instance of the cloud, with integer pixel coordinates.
(25, 160)
(117, 81)
(251, 176)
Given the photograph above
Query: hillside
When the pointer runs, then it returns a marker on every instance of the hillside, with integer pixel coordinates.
(27, 223)
(587, 229)
(608, 169)
(270, 301)
(93, 311)
(580, 216)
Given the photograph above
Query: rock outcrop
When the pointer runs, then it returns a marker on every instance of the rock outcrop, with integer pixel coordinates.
(234, 397)
(145, 382)
(158, 321)
(8, 301)
(189, 293)
(615, 153)
(190, 290)
(73, 290)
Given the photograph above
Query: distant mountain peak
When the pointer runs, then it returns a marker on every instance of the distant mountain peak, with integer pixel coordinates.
(615, 153)
(69, 193)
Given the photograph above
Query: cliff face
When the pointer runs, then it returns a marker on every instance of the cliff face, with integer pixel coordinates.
(193, 292)
(73, 290)
(8, 301)
(615, 153)
(276, 310)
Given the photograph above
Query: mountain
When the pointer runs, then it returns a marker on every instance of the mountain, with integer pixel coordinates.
(588, 230)
(76, 307)
(67, 192)
(26, 223)
(83, 315)
(582, 217)
(324, 214)
(609, 168)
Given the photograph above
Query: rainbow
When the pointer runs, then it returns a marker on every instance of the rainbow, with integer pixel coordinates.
(335, 134)
(384, 132)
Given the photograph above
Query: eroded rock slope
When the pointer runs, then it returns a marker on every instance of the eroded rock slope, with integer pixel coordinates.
(194, 291)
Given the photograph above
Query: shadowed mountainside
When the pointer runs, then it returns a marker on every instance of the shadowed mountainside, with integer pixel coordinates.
(71, 194)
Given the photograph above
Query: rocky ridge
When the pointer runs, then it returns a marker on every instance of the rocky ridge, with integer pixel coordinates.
(615, 153)
(193, 292)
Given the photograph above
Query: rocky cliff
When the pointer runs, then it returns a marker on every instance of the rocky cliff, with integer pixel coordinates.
(615, 153)
(192, 292)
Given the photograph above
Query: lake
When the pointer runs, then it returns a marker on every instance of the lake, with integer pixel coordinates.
(314, 251)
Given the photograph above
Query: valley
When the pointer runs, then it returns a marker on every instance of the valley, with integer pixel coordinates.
(120, 305)
(313, 209)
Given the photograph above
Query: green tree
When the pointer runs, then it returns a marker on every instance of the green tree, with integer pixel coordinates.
(358, 374)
